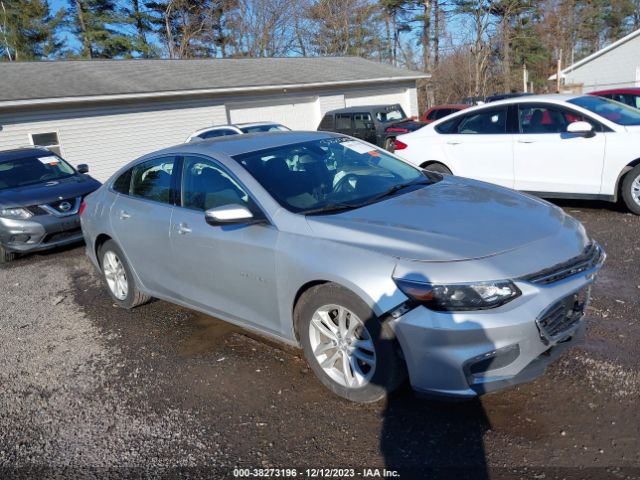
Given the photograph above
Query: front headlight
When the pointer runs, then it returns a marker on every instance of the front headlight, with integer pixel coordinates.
(456, 297)
(21, 213)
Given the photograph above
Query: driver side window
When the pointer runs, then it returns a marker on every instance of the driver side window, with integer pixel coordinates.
(205, 185)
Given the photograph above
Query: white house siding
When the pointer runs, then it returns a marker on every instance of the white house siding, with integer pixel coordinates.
(331, 102)
(302, 112)
(406, 96)
(616, 68)
(109, 136)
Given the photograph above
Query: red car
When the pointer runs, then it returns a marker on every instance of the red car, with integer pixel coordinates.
(439, 111)
(630, 96)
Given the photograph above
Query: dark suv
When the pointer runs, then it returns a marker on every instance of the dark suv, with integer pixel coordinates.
(40, 196)
(377, 124)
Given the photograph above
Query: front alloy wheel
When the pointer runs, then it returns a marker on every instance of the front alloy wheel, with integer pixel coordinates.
(342, 346)
(349, 349)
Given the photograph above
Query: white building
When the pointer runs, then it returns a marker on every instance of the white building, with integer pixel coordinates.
(615, 66)
(108, 112)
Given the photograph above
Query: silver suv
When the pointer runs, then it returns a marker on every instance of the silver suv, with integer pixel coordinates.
(374, 267)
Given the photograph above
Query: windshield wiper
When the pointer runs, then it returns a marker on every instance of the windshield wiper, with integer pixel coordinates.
(330, 208)
(396, 188)
(341, 207)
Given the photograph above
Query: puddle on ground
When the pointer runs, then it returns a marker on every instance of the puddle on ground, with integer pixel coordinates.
(210, 332)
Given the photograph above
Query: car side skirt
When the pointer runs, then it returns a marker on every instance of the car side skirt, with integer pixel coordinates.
(576, 196)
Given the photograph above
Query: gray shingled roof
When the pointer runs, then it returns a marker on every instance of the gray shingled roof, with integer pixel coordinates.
(42, 80)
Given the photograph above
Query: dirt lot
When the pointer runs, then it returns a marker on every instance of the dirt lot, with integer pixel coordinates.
(89, 390)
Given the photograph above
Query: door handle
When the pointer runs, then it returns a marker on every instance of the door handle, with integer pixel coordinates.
(453, 143)
(526, 141)
(124, 215)
(183, 229)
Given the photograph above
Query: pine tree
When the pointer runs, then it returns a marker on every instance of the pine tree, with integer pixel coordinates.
(142, 20)
(98, 25)
(28, 30)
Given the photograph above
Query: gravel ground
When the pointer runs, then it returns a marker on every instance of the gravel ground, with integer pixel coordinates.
(89, 390)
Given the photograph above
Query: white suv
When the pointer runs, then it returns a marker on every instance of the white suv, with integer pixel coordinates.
(555, 146)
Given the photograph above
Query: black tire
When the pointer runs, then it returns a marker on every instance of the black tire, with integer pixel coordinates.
(7, 256)
(390, 370)
(630, 196)
(134, 296)
(390, 145)
(437, 167)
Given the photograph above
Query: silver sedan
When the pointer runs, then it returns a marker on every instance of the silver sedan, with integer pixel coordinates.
(377, 269)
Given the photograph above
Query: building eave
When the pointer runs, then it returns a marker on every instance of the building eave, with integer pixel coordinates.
(45, 102)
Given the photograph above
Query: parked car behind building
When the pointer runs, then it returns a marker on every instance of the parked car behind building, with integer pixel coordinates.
(373, 266)
(40, 196)
(377, 124)
(555, 146)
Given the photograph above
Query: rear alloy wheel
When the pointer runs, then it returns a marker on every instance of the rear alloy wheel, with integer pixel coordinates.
(118, 277)
(7, 256)
(390, 144)
(437, 167)
(631, 190)
(346, 345)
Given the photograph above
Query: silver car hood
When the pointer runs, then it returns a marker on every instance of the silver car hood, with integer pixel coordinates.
(455, 219)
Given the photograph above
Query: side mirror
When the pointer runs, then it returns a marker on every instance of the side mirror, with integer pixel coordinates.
(229, 215)
(83, 168)
(369, 125)
(583, 128)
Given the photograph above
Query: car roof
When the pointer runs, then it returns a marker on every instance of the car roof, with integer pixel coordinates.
(546, 97)
(18, 153)
(450, 105)
(254, 124)
(632, 90)
(363, 108)
(250, 142)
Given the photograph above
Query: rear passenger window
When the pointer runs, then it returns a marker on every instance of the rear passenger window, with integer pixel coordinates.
(222, 132)
(123, 183)
(326, 123)
(343, 121)
(152, 180)
(486, 122)
(432, 115)
(360, 120)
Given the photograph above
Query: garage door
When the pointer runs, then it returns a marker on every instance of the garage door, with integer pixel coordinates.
(297, 114)
(377, 97)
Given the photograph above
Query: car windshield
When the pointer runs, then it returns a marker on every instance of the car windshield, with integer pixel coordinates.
(331, 174)
(391, 114)
(614, 111)
(264, 128)
(31, 170)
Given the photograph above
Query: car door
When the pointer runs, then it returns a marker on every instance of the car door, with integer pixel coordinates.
(363, 127)
(225, 270)
(478, 145)
(549, 159)
(141, 218)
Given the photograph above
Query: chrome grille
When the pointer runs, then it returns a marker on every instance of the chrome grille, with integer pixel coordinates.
(64, 207)
(558, 320)
(590, 257)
